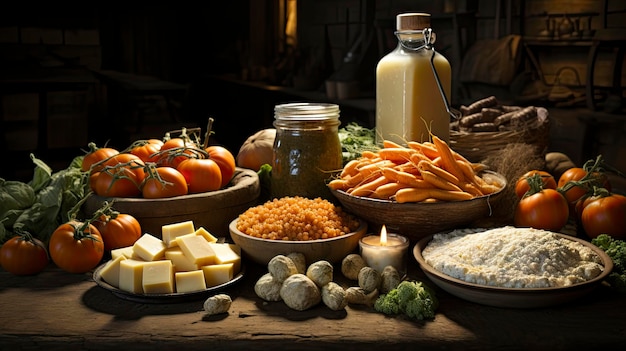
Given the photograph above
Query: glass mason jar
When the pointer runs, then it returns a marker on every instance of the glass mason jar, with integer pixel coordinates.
(307, 150)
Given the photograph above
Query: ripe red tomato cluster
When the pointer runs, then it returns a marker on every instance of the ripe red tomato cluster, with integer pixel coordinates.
(156, 169)
(581, 193)
(75, 246)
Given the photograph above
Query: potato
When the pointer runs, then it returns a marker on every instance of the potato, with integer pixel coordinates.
(351, 265)
(217, 304)
(390, 278)
(369, 279)
(357, 296)
(299, 292)
(268, 288)
(334, 296)
(320, 272)
(281, 267)
(300, 261)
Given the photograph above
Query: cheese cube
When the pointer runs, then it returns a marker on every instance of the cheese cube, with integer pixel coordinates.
(170, 232)
(205, 233)
(190, 281)
(110, 273)
(123, 251)
(131, 275)
(197, 249)
(149, 248)
(217, 274)
(179, 260)
(235, 248)
(158, 277)
(225, 254)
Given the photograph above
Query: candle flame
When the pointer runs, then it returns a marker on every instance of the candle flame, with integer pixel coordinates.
(383, 236)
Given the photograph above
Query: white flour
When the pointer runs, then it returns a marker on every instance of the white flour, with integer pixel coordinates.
(512, 257)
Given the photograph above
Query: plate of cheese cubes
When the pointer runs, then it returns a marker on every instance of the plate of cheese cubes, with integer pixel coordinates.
(184, 264)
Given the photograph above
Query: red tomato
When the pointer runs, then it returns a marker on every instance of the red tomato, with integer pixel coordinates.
(23, 255)
(171, 183)
(521, 186)
(202, 174)
(76, 247)
(118, 230)
(95, 155)
(605, 215)
(225, 160)
(177, 150)
(121, 176)
(118, 182)
(178, 142)
(574, 193)
(147, 150)
(546, 209)
(93, 179)
(133, 162)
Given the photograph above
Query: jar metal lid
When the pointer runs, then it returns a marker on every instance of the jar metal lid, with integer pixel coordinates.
(306, 111)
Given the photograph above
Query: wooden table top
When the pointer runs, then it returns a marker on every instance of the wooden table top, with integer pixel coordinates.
(57, 310)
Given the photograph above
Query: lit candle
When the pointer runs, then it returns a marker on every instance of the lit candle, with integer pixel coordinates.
(385, 250)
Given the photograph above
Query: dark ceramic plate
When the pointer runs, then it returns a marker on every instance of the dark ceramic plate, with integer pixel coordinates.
(163, 298)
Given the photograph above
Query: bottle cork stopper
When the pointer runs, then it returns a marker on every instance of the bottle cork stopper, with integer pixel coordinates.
(412, 21)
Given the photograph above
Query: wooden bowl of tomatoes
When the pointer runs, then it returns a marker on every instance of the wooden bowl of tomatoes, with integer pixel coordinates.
(172, 180)
(212, 210)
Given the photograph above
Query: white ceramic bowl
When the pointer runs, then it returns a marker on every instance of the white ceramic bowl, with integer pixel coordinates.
(262, 251)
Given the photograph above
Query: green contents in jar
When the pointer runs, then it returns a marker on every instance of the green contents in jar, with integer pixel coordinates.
(307, 151)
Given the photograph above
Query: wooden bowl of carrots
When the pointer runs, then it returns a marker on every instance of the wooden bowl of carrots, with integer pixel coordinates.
(418, 189)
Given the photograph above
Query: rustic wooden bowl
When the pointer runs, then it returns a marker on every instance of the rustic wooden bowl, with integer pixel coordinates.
(513, 297)
(212, 210)
(416, 220)
(332, 250)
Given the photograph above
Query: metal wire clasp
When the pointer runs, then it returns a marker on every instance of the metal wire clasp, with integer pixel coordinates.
(428, 44)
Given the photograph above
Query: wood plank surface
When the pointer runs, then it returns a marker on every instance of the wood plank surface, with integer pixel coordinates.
(55, 310)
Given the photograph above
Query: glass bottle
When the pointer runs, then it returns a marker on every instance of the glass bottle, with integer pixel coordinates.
(410, 85)
(307, 150)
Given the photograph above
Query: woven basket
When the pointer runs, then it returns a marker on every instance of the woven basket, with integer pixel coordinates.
(477, 146)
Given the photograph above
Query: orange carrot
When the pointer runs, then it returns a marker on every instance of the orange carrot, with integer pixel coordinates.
(352, 181)
(398, 155)
(426, 148)
(448, 160)
(416, 157)
(418, 195)
(466, 168)
(439, 182)
(403, 177)
(350, 168)
(391, 144)
(338, 184)
(372, 167)
(385, 191)
(439, 172)
(369, 154)
(366, 189)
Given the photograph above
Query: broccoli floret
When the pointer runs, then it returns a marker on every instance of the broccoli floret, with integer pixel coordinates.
(411, 298)
(616, 250)
(407, 291)
(388, 303)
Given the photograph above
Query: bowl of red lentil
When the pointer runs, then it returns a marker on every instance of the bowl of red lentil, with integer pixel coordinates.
(316, 228)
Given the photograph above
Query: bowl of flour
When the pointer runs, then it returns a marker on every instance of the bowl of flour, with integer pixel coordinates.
(512, 267)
